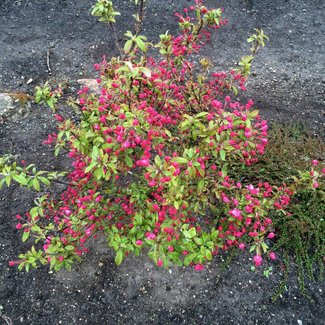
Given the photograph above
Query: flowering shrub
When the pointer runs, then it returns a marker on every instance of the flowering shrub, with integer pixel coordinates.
(151, 156)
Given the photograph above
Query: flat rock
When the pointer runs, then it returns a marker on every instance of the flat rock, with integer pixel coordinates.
(92, 84)
(13, 106)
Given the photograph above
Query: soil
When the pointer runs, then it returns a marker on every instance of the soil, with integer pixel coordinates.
(287, 85)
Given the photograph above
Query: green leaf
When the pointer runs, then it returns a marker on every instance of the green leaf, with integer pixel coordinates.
(119, 257)
(252, 248)
(33, 212)
(253, 113)
(8, 180)
(69, 248)
(36, 228)
(95, 153)
(1, 183)
(190, 233)
(25, 235)
(128, 46)
(264, 247)
(201, 114)
(20, 179)
(180, 160)
(141, 44)
(189, 258)
(208, 254)
(99, 173)
(223, 155)
(128, 161)
(45, 181)
(36, 184)
(158, 160)
(90, 167)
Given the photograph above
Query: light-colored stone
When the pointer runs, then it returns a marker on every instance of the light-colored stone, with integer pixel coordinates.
(6, 105)
(14, 106)
(92, 84)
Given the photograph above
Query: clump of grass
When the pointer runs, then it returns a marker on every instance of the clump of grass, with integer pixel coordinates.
(301, 235)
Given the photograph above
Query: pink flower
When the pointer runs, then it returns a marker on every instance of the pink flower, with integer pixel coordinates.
(58, 117)
(272, 256)
(160, 263)
(19, 226)
(199, 267)
(152, 183)
(170, 248)
(126, 144)
(150, 235)
(236, 213)
(143, 163)
(241, 246)
(138, 242)
(315, 162)
(258, 260)
(271, 235)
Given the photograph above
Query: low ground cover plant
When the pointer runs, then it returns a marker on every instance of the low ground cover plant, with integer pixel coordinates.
(162, 158)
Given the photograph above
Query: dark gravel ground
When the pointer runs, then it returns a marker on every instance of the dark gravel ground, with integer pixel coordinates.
(288, 85)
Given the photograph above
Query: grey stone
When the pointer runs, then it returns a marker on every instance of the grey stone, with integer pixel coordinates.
(11, 108)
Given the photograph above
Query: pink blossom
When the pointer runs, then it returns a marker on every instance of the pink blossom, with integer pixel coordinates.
(271, 235)
(150, 235)
(126, 144)
(138, 242)
(152, 183)
(241, 246)
(258, 260)
(236, 213)
(315, 162)
(160, 263)
(19, 226)
(199, 267)
(142, 162)
(272, 256)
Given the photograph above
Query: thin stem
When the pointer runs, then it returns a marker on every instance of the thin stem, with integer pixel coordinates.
(140, 12)
(116, 39)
